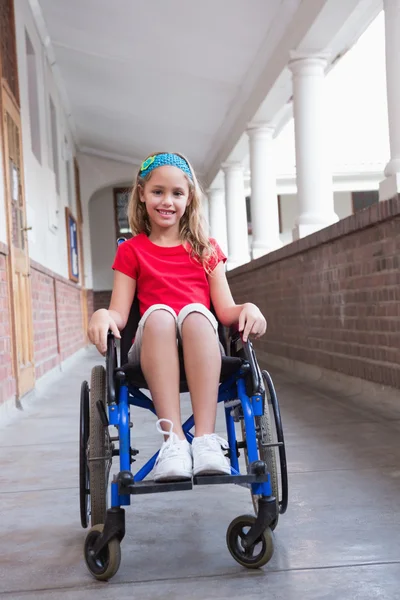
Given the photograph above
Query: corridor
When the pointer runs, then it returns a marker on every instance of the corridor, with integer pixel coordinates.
(340, 538)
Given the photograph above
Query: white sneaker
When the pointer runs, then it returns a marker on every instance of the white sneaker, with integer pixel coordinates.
(174, 461)
(208, 458)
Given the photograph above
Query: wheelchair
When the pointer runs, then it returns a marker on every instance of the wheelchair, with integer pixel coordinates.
(254, 427)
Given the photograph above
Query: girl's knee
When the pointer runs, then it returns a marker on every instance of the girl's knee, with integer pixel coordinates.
(195, 319)
(198, 317)
(160, 320)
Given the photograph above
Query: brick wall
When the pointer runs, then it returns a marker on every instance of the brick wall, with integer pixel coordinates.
(45, 330)
(69, 317)
(57, 318)
(332, 299)
(7, 381)
(90, 303)
(101, 299)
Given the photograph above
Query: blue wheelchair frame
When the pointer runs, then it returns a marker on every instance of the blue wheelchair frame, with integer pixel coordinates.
(231, 389)
(243, 390)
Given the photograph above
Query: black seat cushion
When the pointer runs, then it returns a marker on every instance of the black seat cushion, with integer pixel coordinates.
(133, 372)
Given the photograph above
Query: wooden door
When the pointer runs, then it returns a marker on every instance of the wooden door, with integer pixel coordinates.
(20, 287)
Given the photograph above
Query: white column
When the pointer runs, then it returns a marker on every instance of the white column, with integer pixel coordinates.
(390, 186)
(314, 179)
(217, 212)
(236, 217)
(264, 199)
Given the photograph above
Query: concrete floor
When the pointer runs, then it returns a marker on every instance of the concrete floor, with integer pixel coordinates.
(340, 538)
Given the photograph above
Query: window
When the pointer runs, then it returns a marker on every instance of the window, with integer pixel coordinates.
(362, 200)
(33, 98)
(121, 199)
(54, 143)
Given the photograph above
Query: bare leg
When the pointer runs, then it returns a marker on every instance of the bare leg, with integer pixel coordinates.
(160, 366)
(202, 365)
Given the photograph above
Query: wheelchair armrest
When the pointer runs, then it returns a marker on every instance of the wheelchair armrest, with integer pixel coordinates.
(258, 384)
(234, 332)
(111, 365)
(249, 355)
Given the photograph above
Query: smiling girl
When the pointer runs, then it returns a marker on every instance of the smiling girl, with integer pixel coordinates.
(176, 272)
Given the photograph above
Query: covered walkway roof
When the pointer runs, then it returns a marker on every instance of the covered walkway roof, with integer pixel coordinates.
(185, 75)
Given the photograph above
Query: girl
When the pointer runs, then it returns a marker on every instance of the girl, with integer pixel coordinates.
(176, 271)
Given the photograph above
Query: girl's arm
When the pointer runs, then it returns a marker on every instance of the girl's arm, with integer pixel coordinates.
(249, 318)
(116, 317)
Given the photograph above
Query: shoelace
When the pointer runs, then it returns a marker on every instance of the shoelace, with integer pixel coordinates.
(171, 445)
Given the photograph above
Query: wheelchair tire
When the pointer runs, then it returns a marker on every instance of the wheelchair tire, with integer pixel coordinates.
(268, 456)
(84, 485)
(257, 555)
(278, 428)
(98, 448)
(107, 563)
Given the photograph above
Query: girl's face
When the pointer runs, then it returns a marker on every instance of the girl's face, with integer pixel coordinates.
(166, 196)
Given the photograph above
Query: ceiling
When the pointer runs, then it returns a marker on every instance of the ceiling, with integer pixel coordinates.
(176, 74)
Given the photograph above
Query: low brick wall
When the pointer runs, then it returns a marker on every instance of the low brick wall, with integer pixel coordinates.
(101, 299)
(332, 299)
(7, 381)
(57, 318)
(90, 303)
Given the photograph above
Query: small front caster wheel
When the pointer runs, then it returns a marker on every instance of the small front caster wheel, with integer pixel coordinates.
(106, 564)
(254, 556)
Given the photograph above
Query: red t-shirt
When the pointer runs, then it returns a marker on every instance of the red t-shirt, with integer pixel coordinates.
(165, 275)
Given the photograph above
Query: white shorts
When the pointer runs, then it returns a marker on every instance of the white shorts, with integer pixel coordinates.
(134, 352)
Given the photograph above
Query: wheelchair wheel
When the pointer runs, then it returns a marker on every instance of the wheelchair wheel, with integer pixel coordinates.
(273, 402)
(106, 564)
(254, 556)
(84, 499)
(100, 451)
(266, 454)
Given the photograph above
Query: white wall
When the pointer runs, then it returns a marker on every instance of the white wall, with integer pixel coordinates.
(102, 237)
(343, 204)
(95, 174)
(45, 208)
(343, 208)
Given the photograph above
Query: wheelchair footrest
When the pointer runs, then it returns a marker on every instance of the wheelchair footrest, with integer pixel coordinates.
(236, 479)
(151, 487)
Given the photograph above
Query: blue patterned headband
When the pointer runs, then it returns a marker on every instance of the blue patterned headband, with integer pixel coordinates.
(160, 160)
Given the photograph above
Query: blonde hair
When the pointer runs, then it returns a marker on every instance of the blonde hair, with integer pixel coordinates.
(191, 224)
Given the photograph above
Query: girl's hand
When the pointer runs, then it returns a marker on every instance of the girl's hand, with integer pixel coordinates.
(251, 322)
(99, 325)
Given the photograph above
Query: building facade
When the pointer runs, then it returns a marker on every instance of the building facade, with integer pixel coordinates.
(62, 202)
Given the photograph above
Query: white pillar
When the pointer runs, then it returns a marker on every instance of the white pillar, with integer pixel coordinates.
(264, 199)
(390, 186)
(216, 201)
(236, 217)
(314, 180)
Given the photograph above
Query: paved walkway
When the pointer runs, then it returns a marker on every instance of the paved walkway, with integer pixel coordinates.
(340, 538)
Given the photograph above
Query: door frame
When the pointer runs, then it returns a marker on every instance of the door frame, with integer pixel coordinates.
(5, 92)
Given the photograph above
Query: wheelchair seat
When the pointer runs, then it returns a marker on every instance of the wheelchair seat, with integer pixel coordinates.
(135, 377)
